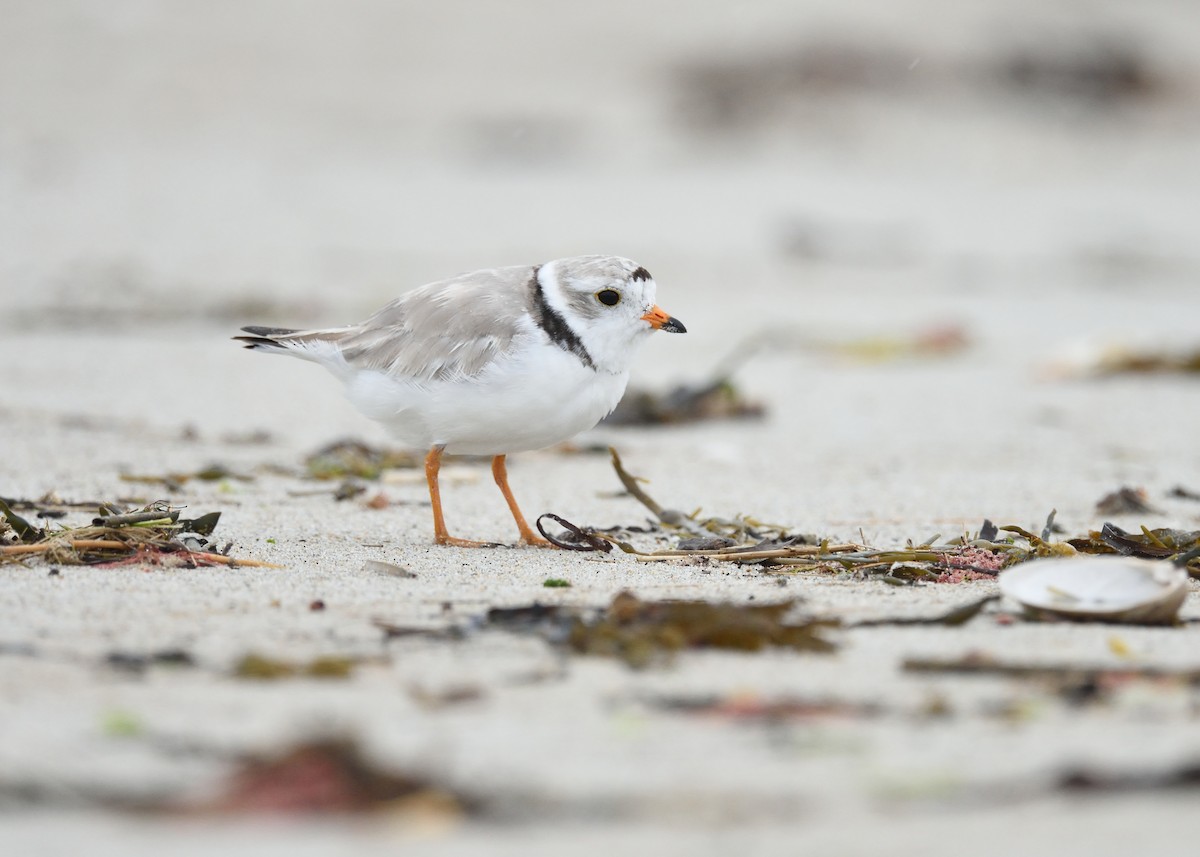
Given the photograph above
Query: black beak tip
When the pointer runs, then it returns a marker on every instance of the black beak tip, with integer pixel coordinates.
(673, 325)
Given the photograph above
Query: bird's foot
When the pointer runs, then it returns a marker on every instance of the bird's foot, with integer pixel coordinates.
(529, 540)
(454, 542)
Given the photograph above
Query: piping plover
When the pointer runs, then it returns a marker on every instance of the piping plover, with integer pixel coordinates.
(491, 362)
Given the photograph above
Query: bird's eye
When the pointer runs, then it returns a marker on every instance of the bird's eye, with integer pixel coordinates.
(608, 297)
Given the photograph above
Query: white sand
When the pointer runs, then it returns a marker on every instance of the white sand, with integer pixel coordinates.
(152, 210)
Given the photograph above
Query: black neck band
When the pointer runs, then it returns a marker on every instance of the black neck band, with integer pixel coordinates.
(556, 327)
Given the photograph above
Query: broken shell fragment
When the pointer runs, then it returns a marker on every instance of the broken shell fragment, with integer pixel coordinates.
(1099, 588)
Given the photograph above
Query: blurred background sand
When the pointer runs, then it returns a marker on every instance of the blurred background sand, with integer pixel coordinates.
(326, 155)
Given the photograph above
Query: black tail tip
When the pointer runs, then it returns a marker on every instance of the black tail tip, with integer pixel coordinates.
(266, 332)
(254, 343)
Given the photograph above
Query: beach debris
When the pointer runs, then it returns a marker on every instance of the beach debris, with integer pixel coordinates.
(1106, 361)
(377, 501)
(712, 399)
(445, 697)
(175, 481)
(1180, 547)
(938, 341)
(1096, 71)
(392, 631)
(121, 723)
(754, 708)
(739, 528)
(1099, 588)
(1091, 780)
(576, 538)
(645, 632)
(1126, 501)
(755, 93)
(951, 619)
(14, 528)
(347, 458)
(138, 663)
(747, 540)
(551, 622)
(154, 534)
(249, 437)
(1145, 363)
(556, 583)
(347, 489)
(705, 543)
(716, 397)
(387, 569)
(259, 667)
(984, 664)
(334, 776)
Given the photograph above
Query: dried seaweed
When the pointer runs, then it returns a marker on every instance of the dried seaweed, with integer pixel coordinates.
(644, 632)
(14, 528)
(1126, 501)
(713, 399)
(139, 663)
(333, 777)
(154, 534)
(262, 668)
(746, 540)
(1091, 780)
(1178, 546)
(176, 481)
(737, 528)
(576, 538)
(1118, 361)
(352, 458)
(952, 619)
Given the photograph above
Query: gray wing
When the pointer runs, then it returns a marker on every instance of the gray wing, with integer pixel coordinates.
(449, 329)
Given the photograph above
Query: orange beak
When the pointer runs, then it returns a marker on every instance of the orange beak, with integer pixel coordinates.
(659, 320)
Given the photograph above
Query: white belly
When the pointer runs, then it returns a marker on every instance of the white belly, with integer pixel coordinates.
(529, 403)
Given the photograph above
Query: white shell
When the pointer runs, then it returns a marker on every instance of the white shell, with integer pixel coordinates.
(1099, 588)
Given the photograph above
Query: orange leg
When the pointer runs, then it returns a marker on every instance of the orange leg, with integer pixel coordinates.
(528, 536)
(433, 463)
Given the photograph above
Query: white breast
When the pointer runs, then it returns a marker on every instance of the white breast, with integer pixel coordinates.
(536, 397)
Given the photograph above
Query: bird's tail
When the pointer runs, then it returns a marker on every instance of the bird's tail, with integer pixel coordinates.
(267, 338)
(319, 346)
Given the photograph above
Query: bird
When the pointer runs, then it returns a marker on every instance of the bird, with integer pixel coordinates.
(490, 362)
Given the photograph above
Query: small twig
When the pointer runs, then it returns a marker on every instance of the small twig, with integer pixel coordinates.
(154, 516)
(76, 544)
(221, 559)
(631, 485)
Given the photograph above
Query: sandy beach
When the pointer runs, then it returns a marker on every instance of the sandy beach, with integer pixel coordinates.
(919, 240)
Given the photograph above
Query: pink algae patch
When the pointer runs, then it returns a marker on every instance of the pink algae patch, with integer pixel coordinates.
(971, 564)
